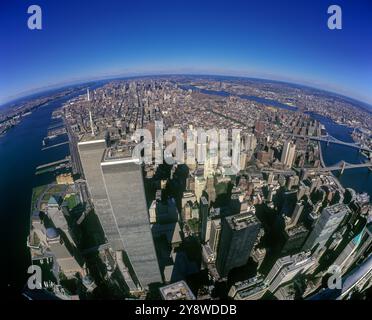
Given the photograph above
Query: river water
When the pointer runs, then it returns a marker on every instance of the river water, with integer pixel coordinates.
(359, 179)
(20, 154)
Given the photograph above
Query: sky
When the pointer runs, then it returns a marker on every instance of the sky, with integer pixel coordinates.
(281, 40)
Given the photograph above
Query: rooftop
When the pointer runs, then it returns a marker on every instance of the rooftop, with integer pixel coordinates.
(337, 208)
(177, 291)
(296, 230)
(242, 220)
(87, 137)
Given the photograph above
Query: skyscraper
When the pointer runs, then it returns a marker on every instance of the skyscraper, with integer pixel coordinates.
(288, 153)
(214, 238)
(250, 142)
(116, 188)
(326, 224)
(286, 268)
(355, 249)
(251, 289)
(203, 213)
(294, 238)
(238, 235)
(200, 184)
(295, 215)
(91, 153)
(124, 186)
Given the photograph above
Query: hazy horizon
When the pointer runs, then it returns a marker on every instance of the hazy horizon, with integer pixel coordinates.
(78, 43)
(40, 91)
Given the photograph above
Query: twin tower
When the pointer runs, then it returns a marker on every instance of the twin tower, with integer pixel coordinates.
(116, 188)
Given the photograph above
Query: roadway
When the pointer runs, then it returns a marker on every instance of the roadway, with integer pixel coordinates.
(76, 163)
(328, 139)
(342, 166)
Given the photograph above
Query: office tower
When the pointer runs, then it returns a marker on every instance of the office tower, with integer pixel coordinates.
(201, 152)
(210, 164)
(327, 223)
(292, 181)
(215, 234)
(270, 178)
(195, 211)
(91, 153)
(302, 191)
(200, 184)
(287, 268)
(358, 278)
(294, 239)
(211, 190)
(288, 153)
(251, 289)
(203, 213)
(258, 254)
(124, 186)
(152, 212)
(295, 215)
(186, 211)
(238, 235)
(186, 197)
(357, 247)
(243, 160)
(250, 142)
(289, 200)
(116, 187)
(348, 251)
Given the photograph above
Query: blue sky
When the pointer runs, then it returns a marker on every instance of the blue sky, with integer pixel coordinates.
(281, 40)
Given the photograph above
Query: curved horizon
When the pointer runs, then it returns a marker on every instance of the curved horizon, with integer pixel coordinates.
(57, 86)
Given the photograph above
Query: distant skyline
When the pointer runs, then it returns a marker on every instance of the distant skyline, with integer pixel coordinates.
(287, 41)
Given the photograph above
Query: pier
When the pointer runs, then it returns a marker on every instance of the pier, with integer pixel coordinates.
(55, 163)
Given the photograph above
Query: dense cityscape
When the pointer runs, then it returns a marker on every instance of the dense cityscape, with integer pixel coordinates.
(186, 158)
(104, 227)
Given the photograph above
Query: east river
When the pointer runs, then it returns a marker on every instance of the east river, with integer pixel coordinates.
(20, 154)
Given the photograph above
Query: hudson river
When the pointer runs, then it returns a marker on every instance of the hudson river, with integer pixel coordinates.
(20, 154)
